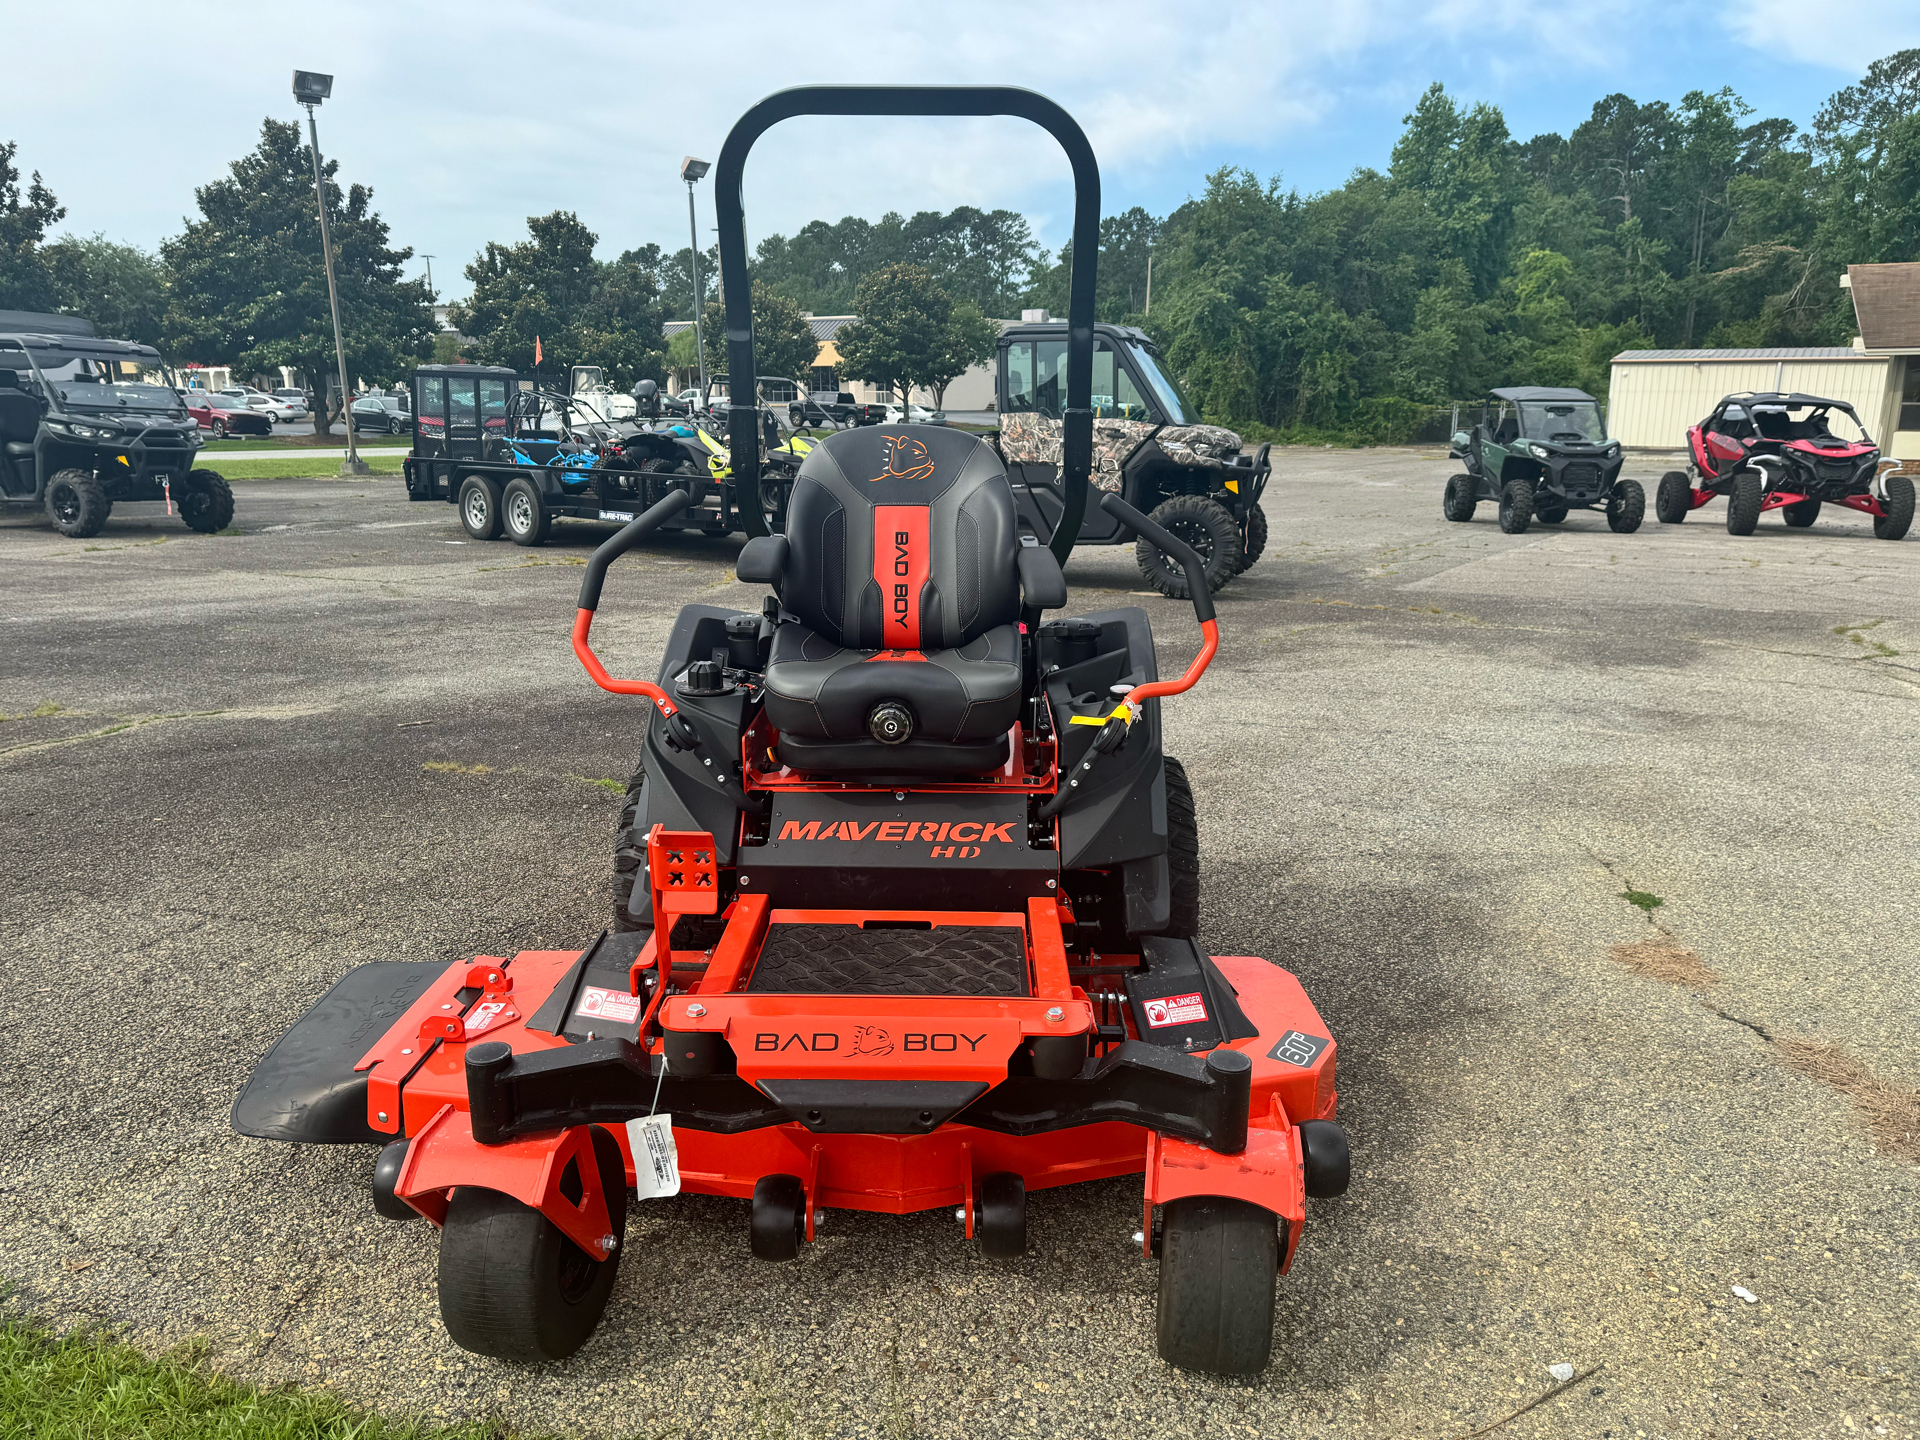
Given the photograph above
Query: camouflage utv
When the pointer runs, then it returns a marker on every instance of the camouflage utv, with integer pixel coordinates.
(1149, 446)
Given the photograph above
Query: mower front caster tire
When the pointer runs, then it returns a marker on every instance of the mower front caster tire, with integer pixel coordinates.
(1001, 1222)
(512, 1284)
(522, 515)
(1218, 1262)
(779, 1221)
(392, 1157)
(1673, 498)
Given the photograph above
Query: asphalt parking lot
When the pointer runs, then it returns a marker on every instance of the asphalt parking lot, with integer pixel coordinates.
(1428, 761)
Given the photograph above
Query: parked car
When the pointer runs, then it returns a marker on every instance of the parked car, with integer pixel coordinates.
(273, 407)
(916, 415)
(225, 415)
(298, 399)
(387, 413)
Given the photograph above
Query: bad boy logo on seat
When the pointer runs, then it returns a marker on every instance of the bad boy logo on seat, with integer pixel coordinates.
(907, 459)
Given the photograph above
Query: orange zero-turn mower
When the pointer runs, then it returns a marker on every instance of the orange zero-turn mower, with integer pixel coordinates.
(913, 927)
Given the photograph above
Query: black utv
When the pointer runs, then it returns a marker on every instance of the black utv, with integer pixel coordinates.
(81, 427)
(1541, 451)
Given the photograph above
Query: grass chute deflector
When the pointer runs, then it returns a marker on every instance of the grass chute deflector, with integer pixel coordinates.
(1077, 441)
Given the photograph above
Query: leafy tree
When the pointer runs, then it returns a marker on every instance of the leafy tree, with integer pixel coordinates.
(25, 281)
(249, 284)
(911, 333)
(549, 288)
(784, 343)
(981, 256)
(675, 275)
(120, 288)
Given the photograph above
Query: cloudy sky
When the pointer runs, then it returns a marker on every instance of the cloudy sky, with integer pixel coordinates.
(468, 118)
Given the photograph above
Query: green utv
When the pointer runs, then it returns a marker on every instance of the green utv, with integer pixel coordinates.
(1540, 452)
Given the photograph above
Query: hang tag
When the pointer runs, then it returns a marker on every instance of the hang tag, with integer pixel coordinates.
(656, 1161)
(166, 484)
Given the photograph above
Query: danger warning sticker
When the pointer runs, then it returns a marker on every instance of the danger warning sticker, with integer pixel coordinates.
(608, 1005)
(1175, 1010)
(485, 1014)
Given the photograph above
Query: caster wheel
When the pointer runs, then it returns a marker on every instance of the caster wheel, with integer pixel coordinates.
(1001, 1223)
(393, 1156)
(512, 1284)
(1216, 1306)
(780, 1218)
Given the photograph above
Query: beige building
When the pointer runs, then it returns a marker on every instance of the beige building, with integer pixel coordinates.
(1655, 395)
(973, 390)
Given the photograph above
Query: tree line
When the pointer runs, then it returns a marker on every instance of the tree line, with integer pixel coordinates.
(1473, 259)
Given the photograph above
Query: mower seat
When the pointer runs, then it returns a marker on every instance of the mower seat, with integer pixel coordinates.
(899, 647)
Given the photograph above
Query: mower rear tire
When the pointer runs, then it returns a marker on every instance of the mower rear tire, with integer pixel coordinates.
(1626, 507)
(512, 1284)
(523, 516)
(630, 856)
(205, 500)
(1457, 501)
(1001, 1222)
(1744, 502)
(1255, 540)
(779, 1221)
(1803, 513)
(480, 507)
(1183, 853)
(1899, 506)
(1673, 498)
(1517, 506)
(77, 504)
(1216, 1306)
(1204, 524)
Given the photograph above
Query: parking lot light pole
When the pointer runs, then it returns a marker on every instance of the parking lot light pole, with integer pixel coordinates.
(690, 171)
(309, 89)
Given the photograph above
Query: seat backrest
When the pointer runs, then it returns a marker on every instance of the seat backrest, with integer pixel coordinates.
(902, 537)
(19, 412)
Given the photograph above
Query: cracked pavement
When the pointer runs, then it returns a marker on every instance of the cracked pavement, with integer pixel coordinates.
(1428, 761)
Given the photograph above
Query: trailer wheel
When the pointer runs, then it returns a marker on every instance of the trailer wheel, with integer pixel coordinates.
(1216, 1304)
(205, 500)
(480, 507)
(1673, 498)
(1204, 524)
(1626, 507)
(1458, 501)
(1517, 506)
(522, 514)
(1899, 507)
(1744, 502)
(77, 504)
(1803, 513)
(512, 1284)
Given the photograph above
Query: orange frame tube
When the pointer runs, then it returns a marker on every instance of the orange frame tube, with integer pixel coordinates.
(583, 619)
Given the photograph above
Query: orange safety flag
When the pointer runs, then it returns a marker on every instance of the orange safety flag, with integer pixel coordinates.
(536, 350)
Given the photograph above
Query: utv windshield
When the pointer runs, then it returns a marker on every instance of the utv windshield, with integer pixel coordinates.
(1568, 422)
(1179, 412)
(97, 382)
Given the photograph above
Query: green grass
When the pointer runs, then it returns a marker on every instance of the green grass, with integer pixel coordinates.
(86, 1384)
(304, 442)
(277, 468)
(1646, 900)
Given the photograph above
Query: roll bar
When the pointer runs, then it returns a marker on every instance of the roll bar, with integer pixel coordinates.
(1077, 438)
